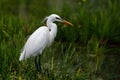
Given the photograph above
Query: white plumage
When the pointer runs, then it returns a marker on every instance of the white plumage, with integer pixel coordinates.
(41, 38)
(36, 43)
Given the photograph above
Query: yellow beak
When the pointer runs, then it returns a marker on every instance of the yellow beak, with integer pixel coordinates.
(66, 22)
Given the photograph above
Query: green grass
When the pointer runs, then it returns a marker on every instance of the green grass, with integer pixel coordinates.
(89, 50)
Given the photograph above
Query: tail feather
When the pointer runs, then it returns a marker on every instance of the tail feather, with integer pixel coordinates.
(22, 56)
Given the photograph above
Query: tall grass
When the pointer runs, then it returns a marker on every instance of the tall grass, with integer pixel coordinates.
(87, 50)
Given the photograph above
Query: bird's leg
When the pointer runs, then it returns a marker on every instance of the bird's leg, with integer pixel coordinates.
(39, 63)
(36, 64)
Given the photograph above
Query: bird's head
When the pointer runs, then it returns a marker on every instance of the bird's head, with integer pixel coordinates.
(55, 17)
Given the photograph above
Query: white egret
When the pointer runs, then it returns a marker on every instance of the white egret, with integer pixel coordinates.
(41, 38)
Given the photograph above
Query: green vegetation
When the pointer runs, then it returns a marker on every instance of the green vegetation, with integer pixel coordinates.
(89, 50)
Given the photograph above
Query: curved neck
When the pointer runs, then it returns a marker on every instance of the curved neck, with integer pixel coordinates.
(53, 31)
(49, 24)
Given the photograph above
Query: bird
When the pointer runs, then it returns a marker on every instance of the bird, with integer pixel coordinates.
(40, 39)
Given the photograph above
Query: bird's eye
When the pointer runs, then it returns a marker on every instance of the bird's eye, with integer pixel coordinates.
(57, 18)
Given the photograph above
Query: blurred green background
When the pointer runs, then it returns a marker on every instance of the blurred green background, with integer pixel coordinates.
(89, 50)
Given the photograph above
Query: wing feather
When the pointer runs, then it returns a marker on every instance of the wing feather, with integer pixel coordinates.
(36, 43)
